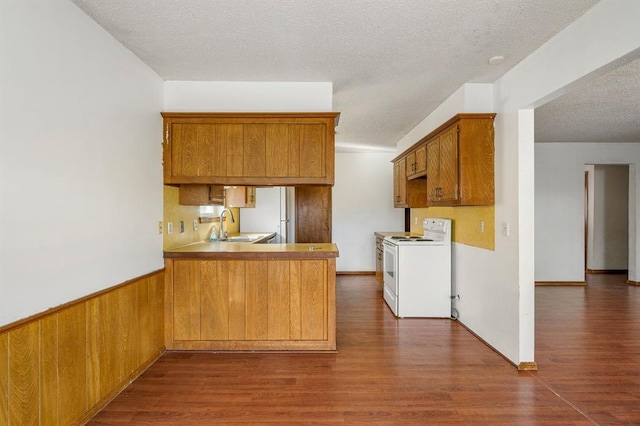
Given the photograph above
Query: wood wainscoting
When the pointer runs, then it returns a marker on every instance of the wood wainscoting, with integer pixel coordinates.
(64, 365)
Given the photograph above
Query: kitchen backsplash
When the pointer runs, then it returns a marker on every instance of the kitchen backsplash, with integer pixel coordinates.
(174, 212)
(466, 224)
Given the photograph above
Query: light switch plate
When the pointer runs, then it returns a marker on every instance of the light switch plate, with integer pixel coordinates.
(169, 228)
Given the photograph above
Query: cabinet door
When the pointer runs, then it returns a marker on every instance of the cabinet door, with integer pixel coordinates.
(313, 214)
(251, 196)
(379, 255)
(201, 149)
(235, 149)
(449, 164)
(201, 195)
(277, 150)
(400, 183)
(184, 150)
(254, 150)
(186, 300)
(313, 300)
(307, 150)
(240, 196)
(421, 159)
(212, 149)
(411, 163)
(433, 169)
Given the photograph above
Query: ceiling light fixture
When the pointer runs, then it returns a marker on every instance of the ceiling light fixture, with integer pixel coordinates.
(495, 60)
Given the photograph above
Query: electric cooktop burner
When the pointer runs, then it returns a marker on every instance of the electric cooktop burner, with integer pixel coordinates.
(409, 238)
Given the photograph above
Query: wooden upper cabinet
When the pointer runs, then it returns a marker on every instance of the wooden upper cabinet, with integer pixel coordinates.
(442, 180)
(249, 148)
(417, 162)
(421, 161)
(400, 183)
(201, 195)
(433, 168)
(240, 196)
(459, 164)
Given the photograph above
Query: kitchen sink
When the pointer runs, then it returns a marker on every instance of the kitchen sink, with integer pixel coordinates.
(241, 238)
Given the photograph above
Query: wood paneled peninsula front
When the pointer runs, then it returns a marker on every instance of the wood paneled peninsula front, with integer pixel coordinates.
(231, 296)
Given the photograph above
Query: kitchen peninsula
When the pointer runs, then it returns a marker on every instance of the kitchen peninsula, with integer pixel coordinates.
(246, 295)
(250, 296)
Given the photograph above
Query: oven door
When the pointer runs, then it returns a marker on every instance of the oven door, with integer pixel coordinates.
(390, 275)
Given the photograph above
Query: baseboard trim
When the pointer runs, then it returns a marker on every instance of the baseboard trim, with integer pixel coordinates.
(523, 366)
(607, 271)
(355, 273)
(528, 366)
(13, 325)
(636, 283)
(560, 283)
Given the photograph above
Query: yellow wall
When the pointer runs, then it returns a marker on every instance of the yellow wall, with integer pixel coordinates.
(465, 223)
(174, 212)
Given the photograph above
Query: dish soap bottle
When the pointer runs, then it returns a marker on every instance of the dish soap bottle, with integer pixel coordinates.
(214, 235)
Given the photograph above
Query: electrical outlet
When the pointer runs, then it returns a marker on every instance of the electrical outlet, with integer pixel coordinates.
(169, 228)
(160, 227)
(195, 224)
(182, 226)
(505, 229)
(481, 226)
(415, 221)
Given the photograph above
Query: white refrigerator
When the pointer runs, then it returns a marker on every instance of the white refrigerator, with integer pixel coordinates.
(274, 212)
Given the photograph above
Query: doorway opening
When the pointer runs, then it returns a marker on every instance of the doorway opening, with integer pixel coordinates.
(606, 218)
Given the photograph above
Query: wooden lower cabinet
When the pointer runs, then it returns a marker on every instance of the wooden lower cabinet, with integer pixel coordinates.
(379, 257)
(266, 304)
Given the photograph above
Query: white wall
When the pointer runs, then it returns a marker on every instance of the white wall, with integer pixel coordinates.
(468, 98)
(80, 159)
(236, 96)
(362, 205)
(559, 206)
(497, 288)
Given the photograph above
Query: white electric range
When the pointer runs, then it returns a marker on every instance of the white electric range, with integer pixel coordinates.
(417, 271)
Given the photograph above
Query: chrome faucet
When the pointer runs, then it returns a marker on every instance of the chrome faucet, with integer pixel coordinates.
(223, 233)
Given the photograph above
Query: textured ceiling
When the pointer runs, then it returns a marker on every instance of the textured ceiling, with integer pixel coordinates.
(607, 109)
(391, 62)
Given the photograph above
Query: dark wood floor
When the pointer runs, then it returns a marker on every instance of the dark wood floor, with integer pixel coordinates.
(413, 371)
